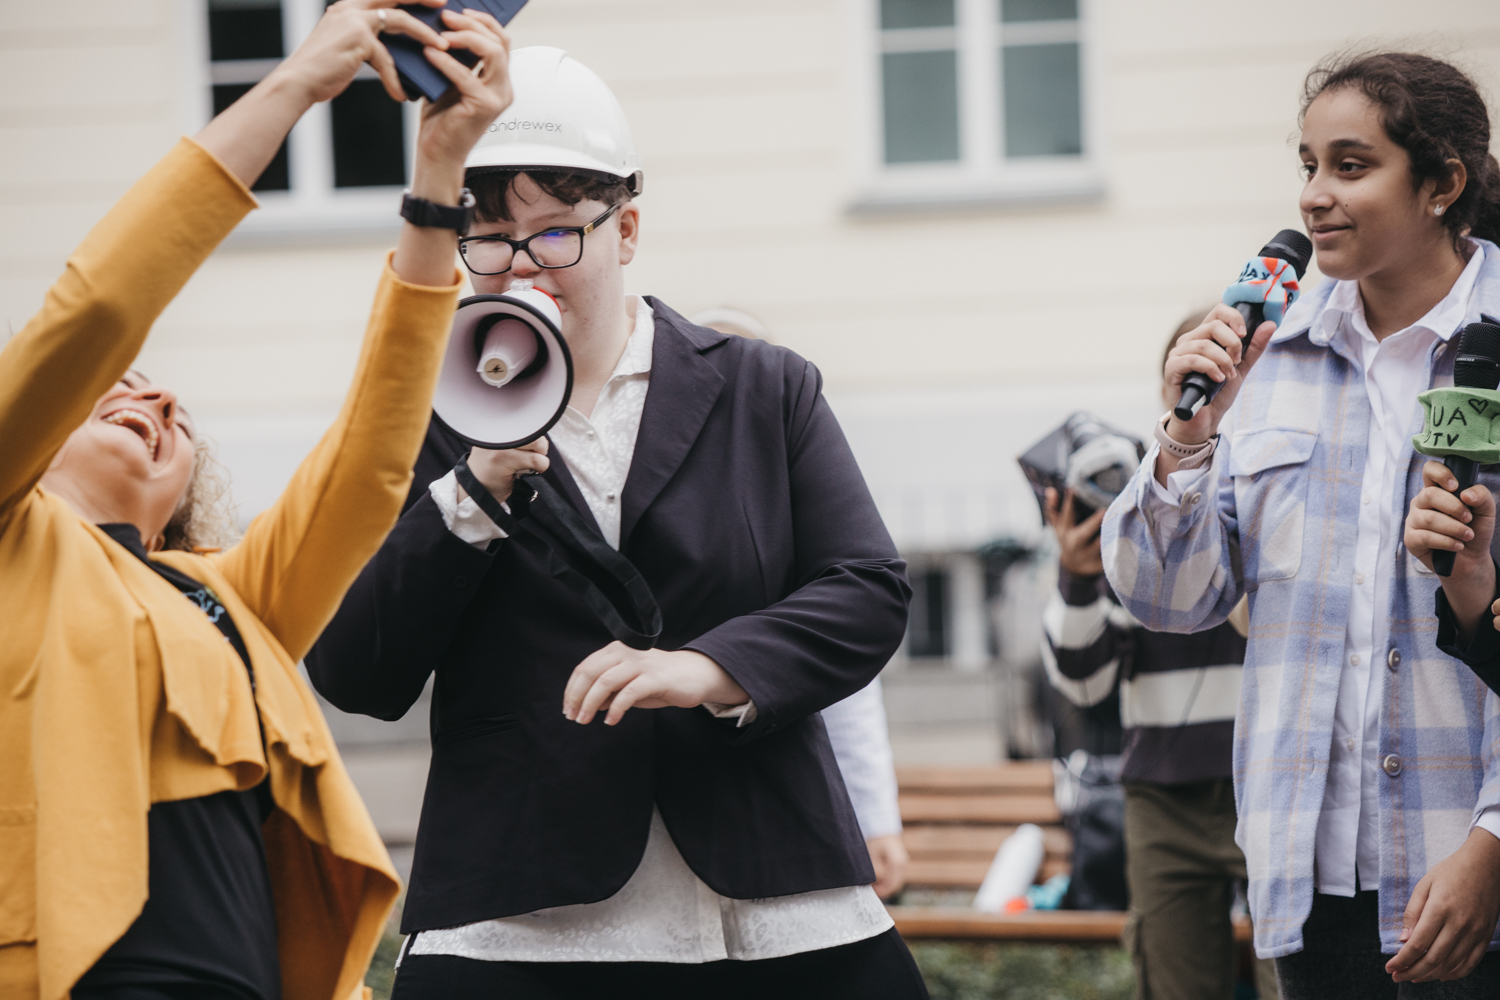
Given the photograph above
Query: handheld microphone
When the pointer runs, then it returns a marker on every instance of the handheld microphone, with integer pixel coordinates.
(1267, 285)
(1459, 423)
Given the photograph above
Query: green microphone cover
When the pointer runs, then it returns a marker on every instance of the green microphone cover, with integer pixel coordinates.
(1462, 422)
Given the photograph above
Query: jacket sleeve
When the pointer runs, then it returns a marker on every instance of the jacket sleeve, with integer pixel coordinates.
(299, 557)
(1176, 569)
(862, 746)
(847, 614)
(1085, 640)
(1481, 654)
(95, 317)
(401, 614)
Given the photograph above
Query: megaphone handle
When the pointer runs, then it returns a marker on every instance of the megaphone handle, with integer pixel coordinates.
(539, 540)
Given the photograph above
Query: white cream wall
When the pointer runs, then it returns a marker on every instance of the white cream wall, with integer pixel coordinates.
(944, 337)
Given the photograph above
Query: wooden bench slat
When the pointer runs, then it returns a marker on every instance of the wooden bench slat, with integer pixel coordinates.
(1096, 926)
(959, 873)
(1099, 926)
(1018, 776)
(921, 807)
(959, 839)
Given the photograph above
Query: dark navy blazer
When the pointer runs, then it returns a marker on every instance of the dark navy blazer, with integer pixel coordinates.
(745, 511)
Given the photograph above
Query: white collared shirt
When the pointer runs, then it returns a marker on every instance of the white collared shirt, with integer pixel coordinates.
(665, 912)
(1347, 851)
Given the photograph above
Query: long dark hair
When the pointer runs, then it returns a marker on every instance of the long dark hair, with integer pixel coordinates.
(1434, 111)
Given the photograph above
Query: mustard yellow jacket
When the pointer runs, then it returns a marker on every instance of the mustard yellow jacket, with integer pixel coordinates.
(115, 692)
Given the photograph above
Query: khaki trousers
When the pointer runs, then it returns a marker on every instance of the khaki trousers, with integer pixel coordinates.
(1183, 866)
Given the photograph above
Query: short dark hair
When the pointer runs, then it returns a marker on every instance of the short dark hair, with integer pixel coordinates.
(492, 187)
(1432, 110)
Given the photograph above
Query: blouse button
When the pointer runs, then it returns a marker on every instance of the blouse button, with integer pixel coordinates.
(1391, 764)
(1354, 659)
(1393, 659)
(610, 497)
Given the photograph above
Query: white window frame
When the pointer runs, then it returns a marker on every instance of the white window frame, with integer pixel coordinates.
(981, 175)
(313, 210)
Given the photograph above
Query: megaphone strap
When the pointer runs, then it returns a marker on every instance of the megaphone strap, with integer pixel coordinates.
(539, 539)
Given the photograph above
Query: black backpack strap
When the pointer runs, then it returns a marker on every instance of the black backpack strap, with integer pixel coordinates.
(572, 553)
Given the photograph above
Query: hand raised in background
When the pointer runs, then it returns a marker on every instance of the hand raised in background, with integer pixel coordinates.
(1077, 543)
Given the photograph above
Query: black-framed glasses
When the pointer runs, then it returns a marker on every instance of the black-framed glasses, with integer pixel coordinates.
(561, 246)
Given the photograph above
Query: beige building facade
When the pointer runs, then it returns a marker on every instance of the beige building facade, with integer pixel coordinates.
(973, 215)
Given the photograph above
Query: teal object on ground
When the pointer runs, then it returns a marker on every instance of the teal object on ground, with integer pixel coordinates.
(1462, 422)
(1049, 895)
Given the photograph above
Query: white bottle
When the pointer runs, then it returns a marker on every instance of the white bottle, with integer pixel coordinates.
(1013, 871)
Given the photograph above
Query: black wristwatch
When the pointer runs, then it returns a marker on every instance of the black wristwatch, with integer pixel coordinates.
(421, 212)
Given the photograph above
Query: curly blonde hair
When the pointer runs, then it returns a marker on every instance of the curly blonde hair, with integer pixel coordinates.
(204, 519)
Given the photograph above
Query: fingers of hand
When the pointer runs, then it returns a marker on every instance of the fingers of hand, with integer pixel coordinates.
(1436, 474)
(539, 446)
(1480, 499)
(1442, 520)
(402, 23)
(489, 21)
(1228, 316)
(606, 686)
(380, 60)
(641, 687)
(1180, 365)
(586, 673)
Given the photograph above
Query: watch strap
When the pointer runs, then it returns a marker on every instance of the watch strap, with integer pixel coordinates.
(421, 212)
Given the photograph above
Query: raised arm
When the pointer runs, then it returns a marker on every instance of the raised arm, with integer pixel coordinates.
(299, 557)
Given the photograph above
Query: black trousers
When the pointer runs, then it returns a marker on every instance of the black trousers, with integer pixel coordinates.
(1341, 957)
(877, 968)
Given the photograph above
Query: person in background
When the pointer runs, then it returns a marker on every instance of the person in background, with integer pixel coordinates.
(175, 821)
(1366, 774)
(862, 746)
(1178, 695)
(856, 726)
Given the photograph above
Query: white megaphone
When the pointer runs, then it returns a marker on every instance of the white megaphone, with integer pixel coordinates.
(507, 375)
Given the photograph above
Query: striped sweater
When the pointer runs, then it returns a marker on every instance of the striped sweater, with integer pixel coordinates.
(1178, 693)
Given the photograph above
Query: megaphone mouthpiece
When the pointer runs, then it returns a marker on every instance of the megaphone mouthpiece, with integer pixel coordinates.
(507, 374)
(509, 347)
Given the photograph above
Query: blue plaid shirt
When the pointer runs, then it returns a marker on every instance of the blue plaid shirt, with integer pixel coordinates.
(1284, 492)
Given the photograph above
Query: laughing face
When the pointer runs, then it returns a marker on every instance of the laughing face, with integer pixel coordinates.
(130, 461)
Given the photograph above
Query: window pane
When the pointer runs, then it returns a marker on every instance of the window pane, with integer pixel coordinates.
(921, 106)
(1042, 110)
(276, 176)
(368, 145)
(916, 13)
(1012, 11)
(244, 29)
(926, 634)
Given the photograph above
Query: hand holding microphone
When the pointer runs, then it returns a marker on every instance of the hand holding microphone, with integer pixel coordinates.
(1209, 363)
(1459, 427)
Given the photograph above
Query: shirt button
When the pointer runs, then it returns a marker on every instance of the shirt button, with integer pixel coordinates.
(591, 435)
(1349, 743)
(1391, 765)
(1359, 578)
(1364, 498)
(1197, 497)
(1354, 659)
(1393, 659)
(610, 497)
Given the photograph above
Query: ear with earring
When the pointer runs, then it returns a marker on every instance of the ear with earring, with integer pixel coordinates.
(1437, 209)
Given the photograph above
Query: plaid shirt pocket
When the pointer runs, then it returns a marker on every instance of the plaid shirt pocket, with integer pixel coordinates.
(1270, 483)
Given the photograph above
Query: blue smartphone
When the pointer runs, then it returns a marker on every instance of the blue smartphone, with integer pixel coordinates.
(419, 77)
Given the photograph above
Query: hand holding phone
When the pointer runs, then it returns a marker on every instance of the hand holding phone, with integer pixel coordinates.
(419, 77)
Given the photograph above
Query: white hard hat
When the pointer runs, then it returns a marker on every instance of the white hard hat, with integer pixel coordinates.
(563, 116)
